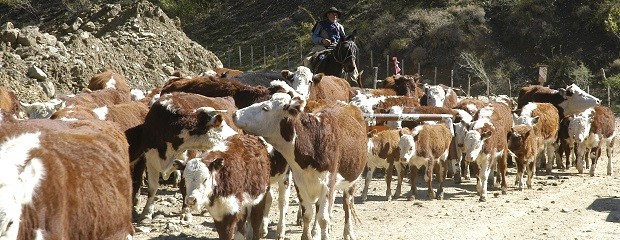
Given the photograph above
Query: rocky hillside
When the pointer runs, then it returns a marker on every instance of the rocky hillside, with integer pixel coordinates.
(59, 55)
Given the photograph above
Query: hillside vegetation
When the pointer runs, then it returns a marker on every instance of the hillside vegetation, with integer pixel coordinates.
(447, 39)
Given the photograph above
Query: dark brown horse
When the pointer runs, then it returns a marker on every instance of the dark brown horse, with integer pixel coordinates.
(341, 61)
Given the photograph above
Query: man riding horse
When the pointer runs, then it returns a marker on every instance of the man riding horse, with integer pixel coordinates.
(326, 35)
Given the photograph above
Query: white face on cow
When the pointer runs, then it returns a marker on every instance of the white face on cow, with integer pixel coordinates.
(579, 128)
(264, 118)
(199, 183)
(436, 95)
(577, 100)
(407, 147)
(302, 78)
(19, 177)
(474, 139)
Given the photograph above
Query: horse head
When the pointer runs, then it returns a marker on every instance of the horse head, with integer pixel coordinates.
(345, 53)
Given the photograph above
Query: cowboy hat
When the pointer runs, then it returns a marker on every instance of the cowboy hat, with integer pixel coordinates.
(333, 9)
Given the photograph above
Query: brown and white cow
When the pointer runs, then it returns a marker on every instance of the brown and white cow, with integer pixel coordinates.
(438, 95)
(175, 123)
(231, 180)
(383, 152)
(569, 101)
(64, 180)
(108, 79)
(326, 151)
(545, 120)
(127, 115)
(486, 144)
(98, 98)
(211, 86)
(601, 133)
(426, 145)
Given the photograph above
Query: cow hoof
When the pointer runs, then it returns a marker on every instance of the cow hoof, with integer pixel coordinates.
(186, 217)
(440, 196)
(410, 198)
(388, 198)
(482, 199)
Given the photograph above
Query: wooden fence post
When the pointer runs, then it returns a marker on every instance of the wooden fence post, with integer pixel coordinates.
(435, 77)
(387, 65)
(375, 73)
(240, 57)
(252, 55)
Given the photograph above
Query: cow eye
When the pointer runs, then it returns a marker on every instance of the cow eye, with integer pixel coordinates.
(266, 108)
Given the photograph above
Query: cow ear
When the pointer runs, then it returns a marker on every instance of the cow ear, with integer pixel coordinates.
(296, 106)
(535, 119)
(514, 117)
(179, 164)
(286, 74)
(466, 125)
(316, 78)
(562, 92)
(486, 134)
(217, 120)
(372, 133)
(218, 164)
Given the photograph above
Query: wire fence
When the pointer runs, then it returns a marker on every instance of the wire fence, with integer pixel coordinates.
(376, 66)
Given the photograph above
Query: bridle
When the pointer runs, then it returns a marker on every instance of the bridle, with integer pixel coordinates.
(350, 51)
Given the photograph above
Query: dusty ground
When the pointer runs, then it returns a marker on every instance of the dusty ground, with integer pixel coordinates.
(565, 205)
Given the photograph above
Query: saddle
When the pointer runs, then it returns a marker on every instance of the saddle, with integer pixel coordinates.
(317, 59)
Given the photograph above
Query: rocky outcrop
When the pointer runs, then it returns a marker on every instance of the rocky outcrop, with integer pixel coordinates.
(138, 41)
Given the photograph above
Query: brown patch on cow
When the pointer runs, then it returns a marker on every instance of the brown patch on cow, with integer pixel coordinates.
(99, 98)
(86, 175)
(329, 88)
(8, 101)
(212, 86)
(603, 121)
(100, 81)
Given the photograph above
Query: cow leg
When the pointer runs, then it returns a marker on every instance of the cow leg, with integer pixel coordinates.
(137, 172)
(388, 182)
(531, 169)
(323, 214)
(369, 173)
(348, 199)
(186, 212)
(597, 154)
(465, 168)
(399, 184)
(442, 177)
(257, 214)
(300, 211)
(429, 179)
(227, 227)
(268, 200)
(521, 165)
(580, 156)
(149, 207)
(548, 162)
(284, 193)
(483, 174)
(413, 175)
(502, 169)
(610, 150)
(308, 214)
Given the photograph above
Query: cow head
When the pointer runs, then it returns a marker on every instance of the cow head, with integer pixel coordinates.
(576, 100)
(300, 80)
(200, 179)
(518, 136)
(407, 144)
(436, 95)
(477, 133)
(42, 109)
(271, 119)
(579, 127)
(525, 120)
(19, 177)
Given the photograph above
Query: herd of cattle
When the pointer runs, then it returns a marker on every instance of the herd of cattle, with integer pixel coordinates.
(67, 164)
